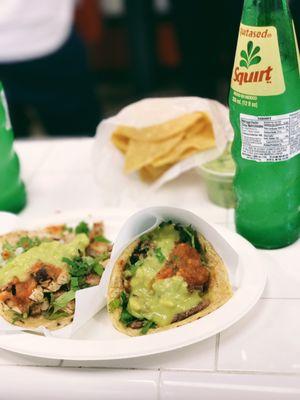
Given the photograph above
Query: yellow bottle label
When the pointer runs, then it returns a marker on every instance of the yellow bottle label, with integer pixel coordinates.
(257, 66)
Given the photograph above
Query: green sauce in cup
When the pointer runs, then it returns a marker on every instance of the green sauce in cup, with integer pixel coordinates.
(218, 175)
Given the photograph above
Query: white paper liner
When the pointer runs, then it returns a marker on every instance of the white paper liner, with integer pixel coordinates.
(108, 162)
(148, 219)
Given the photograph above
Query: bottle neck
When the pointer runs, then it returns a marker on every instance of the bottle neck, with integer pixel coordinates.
(265, 12)
(267, 5)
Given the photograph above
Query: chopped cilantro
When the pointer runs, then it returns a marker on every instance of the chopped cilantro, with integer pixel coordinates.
(159, 255)
(114, 304)
(74, 283)
(7, 246)
(101, 239)
(80, 266)
(147, 325)
(126, 318)
(189, 235)
(56, 315)
(165, 223)
(123, 299)
(27, 243)
(62, 301)
(24, 242)
(17, 318)
(102, 257)
(98, 268)
(68, 228)
(82, 227)
(132, 268)
(146, 237)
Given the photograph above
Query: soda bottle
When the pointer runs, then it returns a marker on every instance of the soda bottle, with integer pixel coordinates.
(12, 190)
(265, 115)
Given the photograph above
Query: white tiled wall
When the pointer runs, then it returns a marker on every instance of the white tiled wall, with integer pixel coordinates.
(36, 383)
(200, 356)
(195, 386)
(10, 358)
(267, 339)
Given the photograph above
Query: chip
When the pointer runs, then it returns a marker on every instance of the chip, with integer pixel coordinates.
(152, 150)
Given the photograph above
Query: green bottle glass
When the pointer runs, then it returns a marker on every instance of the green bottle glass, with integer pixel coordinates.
(265, 114)
(12, 189)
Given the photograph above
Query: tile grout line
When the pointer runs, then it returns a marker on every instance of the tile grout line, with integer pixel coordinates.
(219, 371)
(230, 372)
(279, 298)
(217, 347)
(159, 384)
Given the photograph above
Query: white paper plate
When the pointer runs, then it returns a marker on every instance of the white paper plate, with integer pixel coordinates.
(98, 340)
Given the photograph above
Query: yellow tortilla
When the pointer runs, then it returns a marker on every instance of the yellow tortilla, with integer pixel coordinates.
(35, 322)
(197, 138)
(219, 291)
(154, 149)
(140, 154)
(150, 173)
(159, 132)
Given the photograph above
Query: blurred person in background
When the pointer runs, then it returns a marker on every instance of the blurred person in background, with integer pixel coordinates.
(44, 68)
(205, 37)
(207, 32)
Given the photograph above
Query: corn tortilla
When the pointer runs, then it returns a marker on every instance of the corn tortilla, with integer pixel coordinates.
(219, 290)
(152, 150)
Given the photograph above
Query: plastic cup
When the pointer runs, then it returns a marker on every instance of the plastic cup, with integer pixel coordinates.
(219, 186)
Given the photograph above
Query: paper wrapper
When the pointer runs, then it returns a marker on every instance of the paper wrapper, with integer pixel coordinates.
(148, 219)
(108, 162)
(87, 301)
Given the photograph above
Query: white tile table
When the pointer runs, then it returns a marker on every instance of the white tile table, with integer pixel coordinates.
(258, 358)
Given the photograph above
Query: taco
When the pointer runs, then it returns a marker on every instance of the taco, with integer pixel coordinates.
(40, 272)
(166, 278)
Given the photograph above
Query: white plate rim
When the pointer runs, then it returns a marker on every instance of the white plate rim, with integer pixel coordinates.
(89, 350)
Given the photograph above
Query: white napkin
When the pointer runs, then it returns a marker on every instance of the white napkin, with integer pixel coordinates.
(108, 162)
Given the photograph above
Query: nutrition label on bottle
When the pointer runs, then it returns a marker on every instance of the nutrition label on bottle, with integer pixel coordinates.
(270, 139)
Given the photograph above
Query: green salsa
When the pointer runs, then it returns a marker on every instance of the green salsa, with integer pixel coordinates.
(159, 300)
(48, 253)
(224, 163)
(218, 175)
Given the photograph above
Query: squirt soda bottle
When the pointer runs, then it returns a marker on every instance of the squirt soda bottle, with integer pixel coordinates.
(265, 114)
(12, 190)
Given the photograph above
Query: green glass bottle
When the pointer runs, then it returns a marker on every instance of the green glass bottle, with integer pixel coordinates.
(12, 189)
(265, 114)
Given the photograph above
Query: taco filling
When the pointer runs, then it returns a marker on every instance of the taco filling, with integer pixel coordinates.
(161, 279)
(41, 271)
